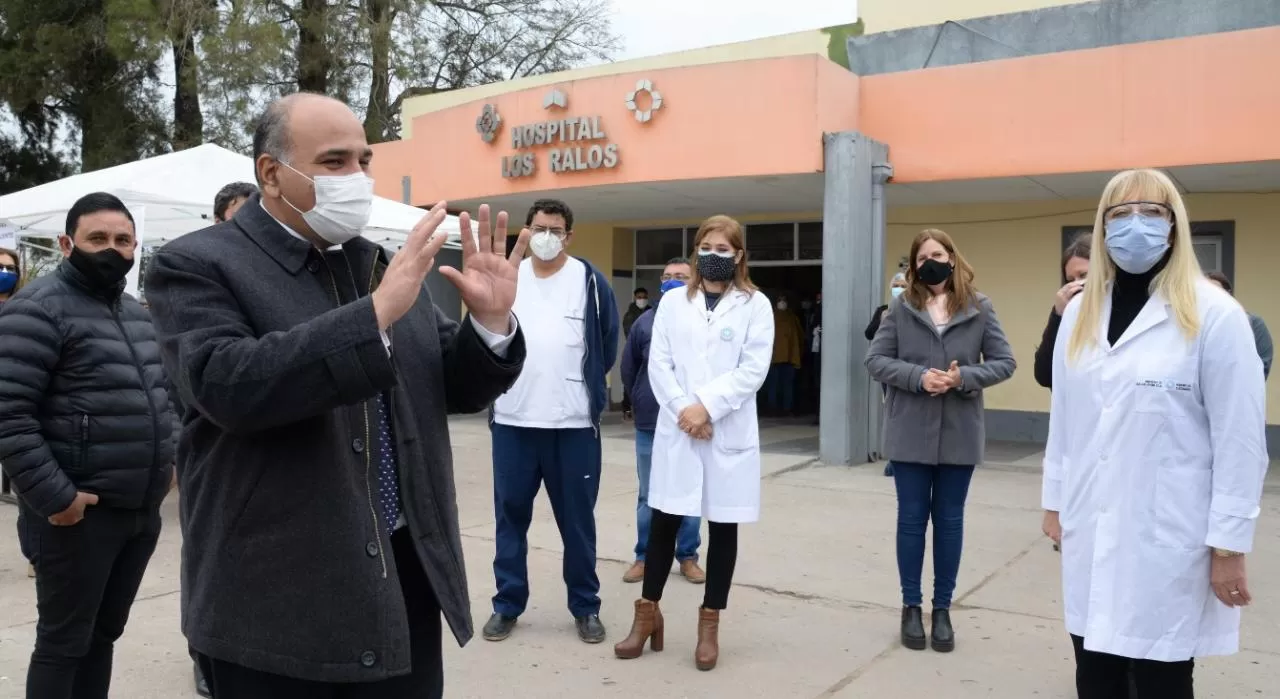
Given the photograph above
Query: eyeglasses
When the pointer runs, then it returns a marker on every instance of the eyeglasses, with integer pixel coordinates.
(8, 268)
(679, 275)
(1140, 208)
(557, 232)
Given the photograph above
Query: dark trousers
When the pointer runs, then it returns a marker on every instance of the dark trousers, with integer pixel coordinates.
(722, 557)
(426, 681)
(568, 462)
(87, 576)
(927, 493)
(1104, 676)
(780, 387)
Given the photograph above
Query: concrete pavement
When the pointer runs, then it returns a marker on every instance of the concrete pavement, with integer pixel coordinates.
(814, 610)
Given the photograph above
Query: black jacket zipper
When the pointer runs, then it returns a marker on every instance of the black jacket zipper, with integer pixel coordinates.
(84, 440)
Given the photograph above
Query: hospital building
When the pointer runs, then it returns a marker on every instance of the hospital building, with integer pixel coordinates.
(998, 121)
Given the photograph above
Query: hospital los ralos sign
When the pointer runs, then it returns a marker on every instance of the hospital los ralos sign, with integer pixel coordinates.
(577, 143)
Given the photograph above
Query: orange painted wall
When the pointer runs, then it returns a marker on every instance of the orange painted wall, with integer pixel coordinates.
(1197, 100)
(760, 117)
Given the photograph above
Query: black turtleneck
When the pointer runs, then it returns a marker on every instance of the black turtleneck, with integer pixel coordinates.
(1128, 296)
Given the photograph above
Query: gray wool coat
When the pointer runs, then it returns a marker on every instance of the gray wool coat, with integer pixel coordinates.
(947, 429)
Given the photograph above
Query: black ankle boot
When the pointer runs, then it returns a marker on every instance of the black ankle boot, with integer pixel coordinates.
(913, 628)
(943, 636)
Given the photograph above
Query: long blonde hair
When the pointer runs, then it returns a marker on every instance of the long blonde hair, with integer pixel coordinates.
(1176, 282)
(732, 231)
(960, 289)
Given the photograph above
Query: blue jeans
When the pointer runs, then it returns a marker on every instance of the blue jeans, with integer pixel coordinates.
(930, 492)
(688, 539)
(780, 386)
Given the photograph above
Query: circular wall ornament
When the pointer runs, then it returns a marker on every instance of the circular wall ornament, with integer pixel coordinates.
(655, 101)
(488, 123)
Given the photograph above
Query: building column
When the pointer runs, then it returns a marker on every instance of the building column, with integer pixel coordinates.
(853, 228)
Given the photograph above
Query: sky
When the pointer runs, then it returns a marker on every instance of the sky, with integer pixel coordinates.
(653, 27)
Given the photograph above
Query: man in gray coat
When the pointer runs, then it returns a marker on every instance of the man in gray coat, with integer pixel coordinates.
(320, 523)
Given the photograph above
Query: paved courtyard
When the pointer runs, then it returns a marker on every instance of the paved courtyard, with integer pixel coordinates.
(814, 610)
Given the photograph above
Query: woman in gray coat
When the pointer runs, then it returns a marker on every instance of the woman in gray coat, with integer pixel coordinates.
(936, 350)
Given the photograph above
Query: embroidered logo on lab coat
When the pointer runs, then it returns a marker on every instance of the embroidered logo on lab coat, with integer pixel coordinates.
(1166, 384)
(726, 334)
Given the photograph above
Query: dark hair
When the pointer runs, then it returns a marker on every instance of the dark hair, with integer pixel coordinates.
(551, 207)
(678, 261)
(271, 133)
(640, 290)
(1079, 247)
(92, 204)
(228, 195)
(1221, 279)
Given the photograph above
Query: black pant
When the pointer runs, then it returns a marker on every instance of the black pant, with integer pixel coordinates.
(722, 556)
(1104, 676)
(86, 578)
(230, 681)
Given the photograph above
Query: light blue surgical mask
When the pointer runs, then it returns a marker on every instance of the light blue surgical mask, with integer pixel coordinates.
(1137, 242)
(896, 291)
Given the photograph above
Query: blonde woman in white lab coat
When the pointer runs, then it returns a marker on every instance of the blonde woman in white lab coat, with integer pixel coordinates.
(1156, 456)
(709, 355)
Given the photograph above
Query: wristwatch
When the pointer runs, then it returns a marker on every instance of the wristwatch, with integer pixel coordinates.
(1223, 553)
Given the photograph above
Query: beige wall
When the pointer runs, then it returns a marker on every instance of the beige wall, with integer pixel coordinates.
(1017, 266)
(888, 15)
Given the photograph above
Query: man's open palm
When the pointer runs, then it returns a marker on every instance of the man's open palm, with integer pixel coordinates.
(487, 281)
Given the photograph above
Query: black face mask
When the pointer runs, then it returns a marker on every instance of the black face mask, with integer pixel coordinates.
(933, 272)
(104, 269)
(715, 268)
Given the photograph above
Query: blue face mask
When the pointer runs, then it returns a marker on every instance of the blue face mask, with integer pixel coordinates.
(1137, 242)
(8, 280)
(896, 291)
(670, 284)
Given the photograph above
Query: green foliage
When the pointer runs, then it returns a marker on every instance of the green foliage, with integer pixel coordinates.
(838, 41)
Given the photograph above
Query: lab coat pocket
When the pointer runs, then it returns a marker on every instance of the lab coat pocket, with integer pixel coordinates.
(575, 342)
(738, 430)
(1180, 506)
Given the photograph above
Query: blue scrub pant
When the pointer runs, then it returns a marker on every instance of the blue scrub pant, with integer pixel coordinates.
(568, 462)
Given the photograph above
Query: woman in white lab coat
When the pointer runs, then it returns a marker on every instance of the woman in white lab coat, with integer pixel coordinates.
(1156, 452)
(709, 355)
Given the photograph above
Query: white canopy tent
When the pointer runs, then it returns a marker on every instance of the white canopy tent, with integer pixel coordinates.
(176, 190)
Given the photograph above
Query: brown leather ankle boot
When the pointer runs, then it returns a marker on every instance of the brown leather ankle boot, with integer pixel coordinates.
(708, 650)
(647, 627)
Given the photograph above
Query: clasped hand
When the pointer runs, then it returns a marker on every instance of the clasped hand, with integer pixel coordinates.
(937, 382)
(695, 421)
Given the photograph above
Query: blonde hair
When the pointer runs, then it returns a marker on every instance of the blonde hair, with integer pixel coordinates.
(960, 289)
(1176, 283)
(732, 231)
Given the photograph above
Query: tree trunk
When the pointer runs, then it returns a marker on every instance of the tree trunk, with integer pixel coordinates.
(377, 120)
(314, 58)
(188, 121)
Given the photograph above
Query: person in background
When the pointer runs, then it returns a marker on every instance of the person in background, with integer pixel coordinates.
(709, 357)
(635, 383)
(546, 428)
(639, 304)
(815, 346)
(1075, 268)
(897, 285)
(10, 279)
(229, 200)
(1261, 335)
(938, 348)
(87, 438)
(1156, 457)
(321, 546)
(780, 386)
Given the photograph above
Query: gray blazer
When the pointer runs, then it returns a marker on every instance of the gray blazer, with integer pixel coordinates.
(948, 429)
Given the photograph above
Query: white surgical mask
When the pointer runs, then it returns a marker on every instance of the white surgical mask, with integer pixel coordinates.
(343, 205)
(782, 305)
(642, 303)
(546, 246)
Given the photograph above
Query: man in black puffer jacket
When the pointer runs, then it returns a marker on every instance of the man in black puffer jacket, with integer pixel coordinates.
(87, 437)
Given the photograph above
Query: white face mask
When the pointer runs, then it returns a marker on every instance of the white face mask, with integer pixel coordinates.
(642, 303)
(782, 305)
(343, 205)
(546, 246)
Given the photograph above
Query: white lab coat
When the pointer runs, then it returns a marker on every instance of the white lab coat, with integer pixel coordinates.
(1156, 453)
(718, 358)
